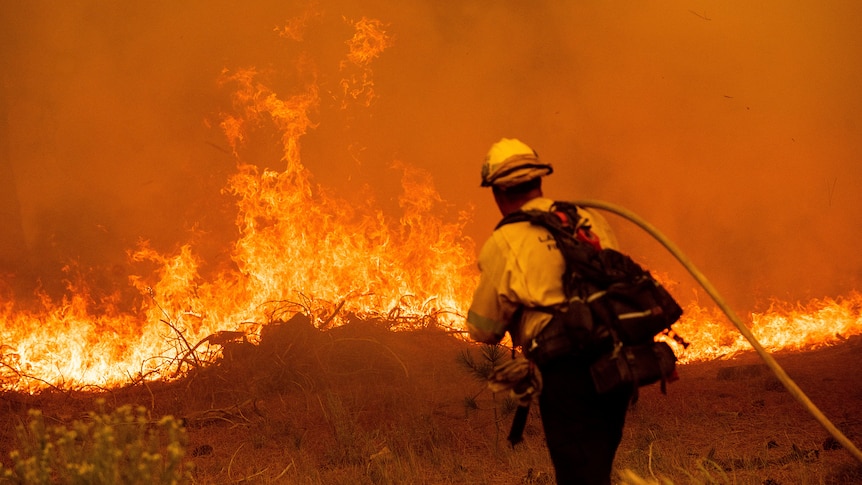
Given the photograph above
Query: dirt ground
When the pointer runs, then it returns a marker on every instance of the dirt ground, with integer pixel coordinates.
(362, 404)
(738, 421)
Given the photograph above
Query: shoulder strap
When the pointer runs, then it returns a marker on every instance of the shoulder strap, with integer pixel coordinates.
(562, 221)
(563, 215)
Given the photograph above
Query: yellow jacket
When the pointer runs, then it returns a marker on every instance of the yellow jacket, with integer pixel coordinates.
(521, 266)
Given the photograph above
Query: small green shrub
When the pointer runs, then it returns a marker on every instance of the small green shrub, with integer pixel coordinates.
(123, 446)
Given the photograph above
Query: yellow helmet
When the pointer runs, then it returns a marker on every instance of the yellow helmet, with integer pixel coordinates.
(511, 162)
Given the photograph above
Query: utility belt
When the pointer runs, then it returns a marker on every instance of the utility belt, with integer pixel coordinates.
(570, 333)
(573, 334)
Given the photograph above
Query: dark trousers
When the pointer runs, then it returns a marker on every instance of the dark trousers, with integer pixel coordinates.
(582, 429)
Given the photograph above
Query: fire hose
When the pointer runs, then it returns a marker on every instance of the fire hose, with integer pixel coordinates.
(779, 372)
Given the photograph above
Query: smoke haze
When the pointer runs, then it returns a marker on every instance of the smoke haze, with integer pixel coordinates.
(735, 127)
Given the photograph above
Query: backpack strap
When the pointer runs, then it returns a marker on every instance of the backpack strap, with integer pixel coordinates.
(565, 212)
(571, 219)
(580, 247)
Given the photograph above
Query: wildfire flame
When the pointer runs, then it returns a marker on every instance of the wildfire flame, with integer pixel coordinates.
(783, 326)
(369, 41)
(301, 248)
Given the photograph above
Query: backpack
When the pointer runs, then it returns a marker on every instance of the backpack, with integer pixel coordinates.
(613, 310)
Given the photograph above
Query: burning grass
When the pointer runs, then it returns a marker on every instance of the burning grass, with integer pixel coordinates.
(360, 403)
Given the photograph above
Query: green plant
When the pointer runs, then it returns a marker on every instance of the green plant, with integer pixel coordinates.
(123, 446)
(482, 370)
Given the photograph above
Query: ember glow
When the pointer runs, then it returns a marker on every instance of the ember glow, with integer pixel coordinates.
(300, 245)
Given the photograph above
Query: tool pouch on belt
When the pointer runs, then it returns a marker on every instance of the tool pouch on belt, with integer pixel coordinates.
(571, 331)
(637, 309)
(635, 365)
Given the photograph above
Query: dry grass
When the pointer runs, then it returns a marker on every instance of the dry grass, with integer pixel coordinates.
(360, 404)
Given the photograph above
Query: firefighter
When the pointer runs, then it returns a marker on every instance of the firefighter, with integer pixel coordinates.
(521, 277)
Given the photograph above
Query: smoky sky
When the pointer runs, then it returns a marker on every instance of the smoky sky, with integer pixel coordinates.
(735, 127)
